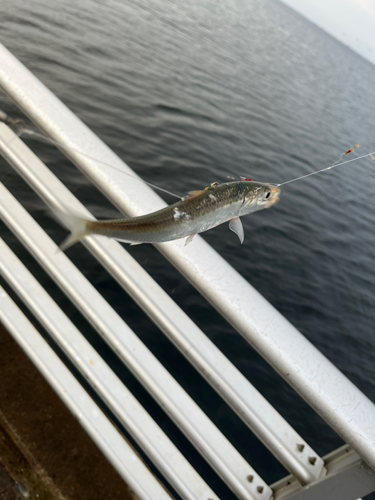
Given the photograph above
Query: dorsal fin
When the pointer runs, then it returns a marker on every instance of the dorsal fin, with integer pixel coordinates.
(193, 194)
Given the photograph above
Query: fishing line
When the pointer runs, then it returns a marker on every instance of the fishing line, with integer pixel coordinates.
(22, 129)
(64, 146)
(334, 165)
(31, 133)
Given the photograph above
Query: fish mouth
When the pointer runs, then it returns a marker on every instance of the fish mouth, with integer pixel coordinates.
(274, 196)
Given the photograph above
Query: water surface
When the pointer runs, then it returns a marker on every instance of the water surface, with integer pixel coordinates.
(188, 93)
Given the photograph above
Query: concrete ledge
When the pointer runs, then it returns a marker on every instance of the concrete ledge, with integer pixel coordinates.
(42, 446)
(8, 487)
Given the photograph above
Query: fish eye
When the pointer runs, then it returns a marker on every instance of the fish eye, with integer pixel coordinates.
(268, 194)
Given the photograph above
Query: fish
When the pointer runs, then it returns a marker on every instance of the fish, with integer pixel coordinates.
(197, 212)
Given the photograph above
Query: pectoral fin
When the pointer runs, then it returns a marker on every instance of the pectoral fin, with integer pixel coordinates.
(235, 225)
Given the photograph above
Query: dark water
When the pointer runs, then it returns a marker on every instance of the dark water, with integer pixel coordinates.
(188, 93)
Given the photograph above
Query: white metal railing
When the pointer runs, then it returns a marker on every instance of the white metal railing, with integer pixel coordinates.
(309, 372)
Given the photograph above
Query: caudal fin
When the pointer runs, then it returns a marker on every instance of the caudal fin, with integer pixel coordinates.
(76, 226)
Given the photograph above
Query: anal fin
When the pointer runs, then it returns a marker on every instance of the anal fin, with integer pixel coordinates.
(189, 239)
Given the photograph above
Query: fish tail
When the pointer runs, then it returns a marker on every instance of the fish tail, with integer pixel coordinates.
(76, 225)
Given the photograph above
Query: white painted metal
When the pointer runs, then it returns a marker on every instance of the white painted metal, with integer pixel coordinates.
(187, 415)
(249, 404)
(317, 380)
(157, 446)
(347, 477)
(90, 416)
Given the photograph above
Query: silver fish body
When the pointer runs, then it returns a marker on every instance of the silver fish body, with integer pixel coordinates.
(196, 213)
